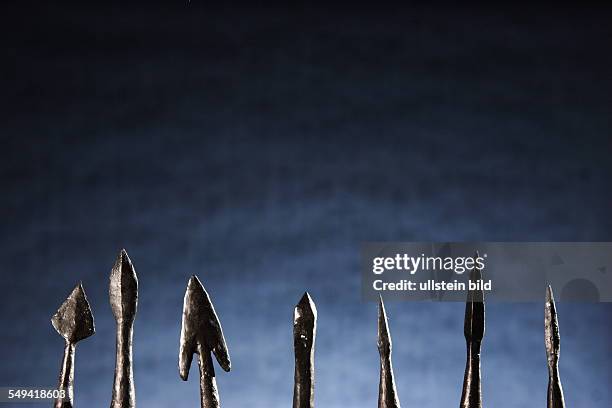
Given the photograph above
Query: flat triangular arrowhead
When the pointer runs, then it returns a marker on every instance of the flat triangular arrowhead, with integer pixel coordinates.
(200, 329)
(74, 320)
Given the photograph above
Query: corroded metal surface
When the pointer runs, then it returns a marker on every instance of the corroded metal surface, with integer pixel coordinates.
(304, 333)
(123, 293)
(552, 341)
(474, 328)
(74, 322)
(387, 393)
(201, 333)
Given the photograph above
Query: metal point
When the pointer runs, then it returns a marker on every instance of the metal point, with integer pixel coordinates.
(552, 342)
(474, 329)
(74, 322)
(123, 295)
(201, 333)
(387, 391)
(304, 334)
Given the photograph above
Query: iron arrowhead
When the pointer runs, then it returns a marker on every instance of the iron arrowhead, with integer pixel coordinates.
(74, 320)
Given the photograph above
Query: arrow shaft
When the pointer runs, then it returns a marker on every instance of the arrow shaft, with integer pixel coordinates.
(303, 387)
(123, 385)
(555, 390)
(66, 377)
(209, 394)
(471, 396)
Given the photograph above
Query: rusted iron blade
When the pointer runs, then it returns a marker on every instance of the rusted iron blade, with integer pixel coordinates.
(552, 341)
(387, 392)
(304, 334)
(74, 322)
(123, 293)
(474, 328)
(201, 333)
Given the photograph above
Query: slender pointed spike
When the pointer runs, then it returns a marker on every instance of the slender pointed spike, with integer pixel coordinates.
(387, 392)
(201, 333)
(474, 325)
(551, 328)
(74, 322)
(123, 294)
(552, 342)
(474, 329)
(384, 338)
(304, 334)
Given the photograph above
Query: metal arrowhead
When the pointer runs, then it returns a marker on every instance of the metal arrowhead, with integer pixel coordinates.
(305, 321)
(552, 339)
(387, 391)
(74, 320)
(123, 289)
(474, 325)
(200, 326)
(304, 333)
(384, 337)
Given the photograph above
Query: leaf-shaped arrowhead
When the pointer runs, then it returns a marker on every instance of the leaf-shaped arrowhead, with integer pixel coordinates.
(74, 320)
(552, 339)
(123, 288)
(200, 329)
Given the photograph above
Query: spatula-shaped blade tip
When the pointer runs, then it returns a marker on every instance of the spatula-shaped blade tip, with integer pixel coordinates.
(384, 337)
(123, 289)
(474, 325)
(552, 339)
(305, 321)
(200, 326)
(305, 312)
(74, 320)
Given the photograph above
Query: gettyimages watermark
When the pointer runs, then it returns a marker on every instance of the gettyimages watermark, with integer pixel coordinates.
(511, 271)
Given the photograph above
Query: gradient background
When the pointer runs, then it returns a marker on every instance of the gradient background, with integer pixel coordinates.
(258, 147)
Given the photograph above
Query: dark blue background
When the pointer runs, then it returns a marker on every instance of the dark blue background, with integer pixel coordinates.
(258, 147)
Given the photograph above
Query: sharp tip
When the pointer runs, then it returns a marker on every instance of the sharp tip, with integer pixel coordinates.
(194, 285)
(384, 337)
(550, 298)
(306, 304)
(78, 290)
(305, 312)
(381, 308)
(123, 266)
(193, 280)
